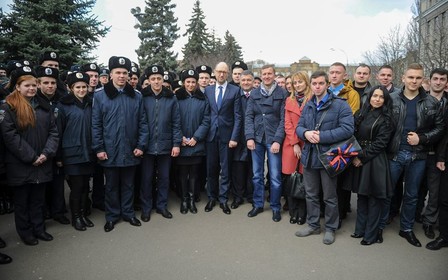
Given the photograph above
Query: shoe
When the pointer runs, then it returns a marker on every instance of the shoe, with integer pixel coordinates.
(429, 231)
(437, 244)
(192, 207)
(45, 236)
(165, 213)
(145, 217)
(109, 226)
(410, 237)
(77, 223)
(86, 221)
(30, 241)
(184, 207)
(254, 212)
(134, 222)
(2, 243)
(236, 203)
(225, 208)
(328, 238)
(5, 259)
(301, 220)
(355, 235)
(210, 204)
(307, 231)
(276, 216)
(366, 243)
(379, 237)
(62, 220)
(293, 220)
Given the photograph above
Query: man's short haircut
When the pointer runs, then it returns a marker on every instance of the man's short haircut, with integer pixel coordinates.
(364, 66)
(247, 73)
(339, 64)
(279, 76)
(440, 71)
(414, 66)
(267, 66)
(318, 74)
(386, 66)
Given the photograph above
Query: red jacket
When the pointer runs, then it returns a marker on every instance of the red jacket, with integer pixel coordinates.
(292, 116)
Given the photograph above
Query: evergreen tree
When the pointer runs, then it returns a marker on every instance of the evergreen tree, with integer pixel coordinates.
(64, 26)
(158, 32)
(231, 50)
(198, 45)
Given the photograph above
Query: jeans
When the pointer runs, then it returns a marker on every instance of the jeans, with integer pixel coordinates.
(275, 171)
(413, 173)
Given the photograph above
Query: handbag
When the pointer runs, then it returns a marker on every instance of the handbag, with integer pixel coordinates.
(339, 156)
(295, 185)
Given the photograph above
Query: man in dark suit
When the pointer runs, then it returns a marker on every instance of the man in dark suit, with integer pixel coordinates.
(224, 100)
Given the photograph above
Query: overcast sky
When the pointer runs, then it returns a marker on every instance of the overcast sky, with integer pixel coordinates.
(280, 32)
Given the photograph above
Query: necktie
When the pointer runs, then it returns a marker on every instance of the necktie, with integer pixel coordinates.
(219, 101)
(247, 94)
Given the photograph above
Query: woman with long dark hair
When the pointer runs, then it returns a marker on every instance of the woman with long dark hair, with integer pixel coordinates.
(31, 139)
(370, 175)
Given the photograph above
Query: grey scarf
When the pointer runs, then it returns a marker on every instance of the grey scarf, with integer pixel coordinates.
(265, 92)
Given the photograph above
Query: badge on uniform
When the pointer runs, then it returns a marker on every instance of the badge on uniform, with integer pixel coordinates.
(27, 69)
(48, 71)
(203, 67)
(79, 75)
(121, 61)
(154, 69)
(53, 55)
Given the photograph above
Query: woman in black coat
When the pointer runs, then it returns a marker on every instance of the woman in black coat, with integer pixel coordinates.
(195, 122)
(370, 176)
(31, 139)
(74, 122)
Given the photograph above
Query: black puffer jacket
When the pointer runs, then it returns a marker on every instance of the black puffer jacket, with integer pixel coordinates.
(23, 147)
(429, 123)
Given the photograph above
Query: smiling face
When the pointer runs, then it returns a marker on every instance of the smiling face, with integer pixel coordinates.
(119, 77)
(412, 79)
(28, 87)
(79, 90)
(156, 82)
(190, 84)
(385, 76)
(267, 76)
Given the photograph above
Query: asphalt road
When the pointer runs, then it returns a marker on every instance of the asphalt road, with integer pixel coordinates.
(215, 246)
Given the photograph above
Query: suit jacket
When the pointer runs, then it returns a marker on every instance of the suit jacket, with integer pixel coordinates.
(228, 117)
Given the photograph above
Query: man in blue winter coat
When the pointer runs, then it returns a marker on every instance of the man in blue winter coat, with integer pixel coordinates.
(326, 119)
(119, 136)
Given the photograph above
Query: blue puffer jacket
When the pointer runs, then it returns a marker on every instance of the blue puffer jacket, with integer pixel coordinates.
(118, 125)
(337, 125)
(265, 116)
(195, 120)
(74, 122)
(163, 119)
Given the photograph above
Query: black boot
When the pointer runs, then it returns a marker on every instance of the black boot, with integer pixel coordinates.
(184, 205)
(75, 207)
(84, 205)
(191, 204)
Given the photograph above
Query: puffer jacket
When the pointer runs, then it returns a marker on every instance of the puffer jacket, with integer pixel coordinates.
(195, 120)
(118, 125)
(430, 124)
(337, 125)
(163, 119)
(351, 96)
(23, 147)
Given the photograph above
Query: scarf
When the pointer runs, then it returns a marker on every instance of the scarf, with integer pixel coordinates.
(265, 92)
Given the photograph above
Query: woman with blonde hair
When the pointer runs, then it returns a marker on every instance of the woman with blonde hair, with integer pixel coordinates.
(31, 138)
(292, 145)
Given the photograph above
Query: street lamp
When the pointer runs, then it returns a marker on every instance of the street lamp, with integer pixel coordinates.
(341, 50)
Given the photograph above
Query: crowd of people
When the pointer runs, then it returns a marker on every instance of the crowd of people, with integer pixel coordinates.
(140, 134)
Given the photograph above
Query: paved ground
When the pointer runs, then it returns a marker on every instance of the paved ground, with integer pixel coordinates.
(215, 246)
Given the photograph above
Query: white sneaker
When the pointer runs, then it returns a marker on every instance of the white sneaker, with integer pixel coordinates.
(328, 237)
(307, 231)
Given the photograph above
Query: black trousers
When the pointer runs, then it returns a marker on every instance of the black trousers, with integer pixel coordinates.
(98, 186)
(188, 180)
(242, 175)
(54, 194)
(79, 185)
(443, 205)
(29, 202)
